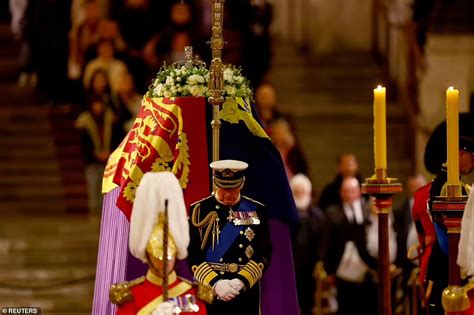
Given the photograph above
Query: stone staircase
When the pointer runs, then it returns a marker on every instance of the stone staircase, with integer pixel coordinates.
(330, 99)
(48, 244)
(30, 172)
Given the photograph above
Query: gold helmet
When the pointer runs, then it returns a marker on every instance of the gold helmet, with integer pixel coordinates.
(155, 246)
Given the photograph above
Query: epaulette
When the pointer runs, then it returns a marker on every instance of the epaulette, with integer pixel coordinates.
(121, 293)
(199, 201)
(204, 292)
(253, 200)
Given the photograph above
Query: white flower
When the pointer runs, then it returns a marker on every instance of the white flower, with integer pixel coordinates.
(159, 89)
(194, 90)
(182, 81)
(203, 90)
(195, 79)
(239, 79)
(230, 89)
(169, 81)
(228, 75)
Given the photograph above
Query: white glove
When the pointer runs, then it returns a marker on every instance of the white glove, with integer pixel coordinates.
(224, 290)
(236, 284)
(165, 308)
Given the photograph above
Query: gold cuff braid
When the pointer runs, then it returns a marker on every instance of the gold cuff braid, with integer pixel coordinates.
(252, 272)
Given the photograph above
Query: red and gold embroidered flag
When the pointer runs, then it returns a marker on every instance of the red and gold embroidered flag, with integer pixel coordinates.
(167, 135)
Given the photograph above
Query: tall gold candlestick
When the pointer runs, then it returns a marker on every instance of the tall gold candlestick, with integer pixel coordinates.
(380, 131)
(452, 125)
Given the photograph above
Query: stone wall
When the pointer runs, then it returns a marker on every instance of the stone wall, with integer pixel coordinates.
(325, 26)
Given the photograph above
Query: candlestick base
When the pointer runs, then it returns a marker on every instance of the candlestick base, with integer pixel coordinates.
(383, 188)
(452, 190)
(381, 173)
(380, 188)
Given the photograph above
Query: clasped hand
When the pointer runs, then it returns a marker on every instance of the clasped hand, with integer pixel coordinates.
(226, 289)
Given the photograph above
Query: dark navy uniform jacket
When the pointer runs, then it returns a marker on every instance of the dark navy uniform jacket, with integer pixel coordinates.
(241, 250)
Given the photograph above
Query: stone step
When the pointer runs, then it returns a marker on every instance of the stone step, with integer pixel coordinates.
(14, 131)
(21, 206)
(37, 140)
(46, 225)
(24, 113)
(45, 275)
(61, 257)
(50, 242)
(43, 151)
(30, 180)
(49, 167)
(84, 288)
(25, 191)
(38, 172)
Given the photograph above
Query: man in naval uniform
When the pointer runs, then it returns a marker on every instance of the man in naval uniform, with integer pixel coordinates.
(150, 228)
(230, 245)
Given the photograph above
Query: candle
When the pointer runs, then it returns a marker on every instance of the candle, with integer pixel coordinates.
(380, 129)
(452, 125)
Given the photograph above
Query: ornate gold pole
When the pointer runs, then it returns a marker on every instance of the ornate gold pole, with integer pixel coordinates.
(216, 73)
(383, 188)
(165, 253)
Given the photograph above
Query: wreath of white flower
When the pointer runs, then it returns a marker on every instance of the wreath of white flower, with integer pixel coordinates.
(179, 80)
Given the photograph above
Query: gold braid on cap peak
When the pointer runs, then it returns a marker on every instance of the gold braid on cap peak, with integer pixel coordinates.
(155, 243)
(210, 221)
(228, 183)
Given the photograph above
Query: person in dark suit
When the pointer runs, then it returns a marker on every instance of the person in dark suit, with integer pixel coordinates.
(346, 258)
(306, 245)
(347, 166)
(230, 246)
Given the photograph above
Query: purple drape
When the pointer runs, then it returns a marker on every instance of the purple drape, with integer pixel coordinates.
(112, 256)
(278, 285)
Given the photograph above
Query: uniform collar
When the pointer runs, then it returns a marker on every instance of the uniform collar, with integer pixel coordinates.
(150, 276)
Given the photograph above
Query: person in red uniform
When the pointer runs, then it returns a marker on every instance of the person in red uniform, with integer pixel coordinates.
(424, 227)
(150, 228)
